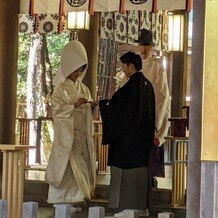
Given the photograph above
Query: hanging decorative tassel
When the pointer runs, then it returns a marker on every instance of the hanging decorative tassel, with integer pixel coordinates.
(188, 6)
(61, 16)
(36, 16)
(91, 7)
(36, 22)
(121, 8)
(31, 8)
(154, 6)
(60, 24)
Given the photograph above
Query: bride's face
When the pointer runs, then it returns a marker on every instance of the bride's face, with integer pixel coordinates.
(76, 74)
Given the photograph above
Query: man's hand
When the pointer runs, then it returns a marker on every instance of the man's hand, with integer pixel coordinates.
(156, 142)
(93, 103)
(80, 102)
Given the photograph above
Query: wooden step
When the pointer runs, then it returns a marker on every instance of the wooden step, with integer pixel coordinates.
(36, 191)
(179, 212)
(161, 198)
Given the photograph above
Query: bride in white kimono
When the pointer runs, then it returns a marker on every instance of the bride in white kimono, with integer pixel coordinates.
(71, 168)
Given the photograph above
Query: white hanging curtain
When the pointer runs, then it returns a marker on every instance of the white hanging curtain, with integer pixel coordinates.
(173, 4)
(70, 5)
(53, 6)
(120, 19)
(138, 5)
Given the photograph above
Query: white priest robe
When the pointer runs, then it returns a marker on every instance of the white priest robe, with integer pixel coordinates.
(154, 71)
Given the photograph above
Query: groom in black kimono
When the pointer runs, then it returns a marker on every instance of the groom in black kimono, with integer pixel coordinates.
(128, 127)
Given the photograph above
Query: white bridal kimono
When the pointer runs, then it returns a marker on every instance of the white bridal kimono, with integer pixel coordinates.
(71, 168)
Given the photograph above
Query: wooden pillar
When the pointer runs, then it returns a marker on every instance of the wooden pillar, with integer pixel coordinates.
(90, 41)
(13, 178)
(202, 186)
(9, 10)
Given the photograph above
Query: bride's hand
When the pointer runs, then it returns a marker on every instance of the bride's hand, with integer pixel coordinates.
(80, 102)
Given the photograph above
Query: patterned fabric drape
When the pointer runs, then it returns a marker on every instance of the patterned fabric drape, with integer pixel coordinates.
(121, 31)
(146, 20)
(164, 32)
(156, 29)
(133, 27)
(124, 27)
(107, 25)
(47, 23)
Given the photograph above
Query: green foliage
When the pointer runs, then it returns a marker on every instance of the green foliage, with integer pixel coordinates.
(55, 43)
(45, 127)
(23, 53)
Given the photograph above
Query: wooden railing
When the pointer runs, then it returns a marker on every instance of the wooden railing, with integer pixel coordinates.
(101, 151)
(24, 135)
(24, 139)
(179, 155)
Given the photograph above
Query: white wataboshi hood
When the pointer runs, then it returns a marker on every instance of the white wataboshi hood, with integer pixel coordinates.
(73, 56)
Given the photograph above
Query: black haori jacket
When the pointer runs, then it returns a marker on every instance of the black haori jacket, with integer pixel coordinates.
(129, 123)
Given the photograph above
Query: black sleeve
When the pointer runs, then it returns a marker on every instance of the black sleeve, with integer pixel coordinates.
(105, 116)
(151, 112)
(118, 112)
